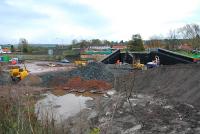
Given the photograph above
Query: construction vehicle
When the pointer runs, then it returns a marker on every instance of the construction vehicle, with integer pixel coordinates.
(138, 65)
(154, 63)
(80, 63)
(17, 73)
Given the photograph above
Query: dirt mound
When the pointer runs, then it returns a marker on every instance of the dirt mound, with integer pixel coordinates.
(93, 71)
(31, 80)
(141, 114)
(180, 82)
(77, 84)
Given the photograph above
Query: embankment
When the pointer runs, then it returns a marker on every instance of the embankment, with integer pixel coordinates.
(179, 82)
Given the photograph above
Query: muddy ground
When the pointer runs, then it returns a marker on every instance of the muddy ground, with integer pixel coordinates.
(33, 84)
(154, 101)
(141, 114)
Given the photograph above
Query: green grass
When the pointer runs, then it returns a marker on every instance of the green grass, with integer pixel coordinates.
(33, 57)
(70, 53)
(188, 54)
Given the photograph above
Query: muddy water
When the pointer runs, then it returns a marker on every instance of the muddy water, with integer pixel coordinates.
(59, 108)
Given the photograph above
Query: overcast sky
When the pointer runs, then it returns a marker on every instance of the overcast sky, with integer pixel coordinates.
(60, 21)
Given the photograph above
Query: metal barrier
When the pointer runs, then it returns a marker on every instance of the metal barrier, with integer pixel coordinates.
(112, 58)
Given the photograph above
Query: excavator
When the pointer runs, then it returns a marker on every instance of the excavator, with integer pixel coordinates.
(155, 63)
(138, 65)
(80, 63)
(18, 73)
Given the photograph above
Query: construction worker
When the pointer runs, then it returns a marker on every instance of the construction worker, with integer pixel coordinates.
(118, 62)
(157, 60)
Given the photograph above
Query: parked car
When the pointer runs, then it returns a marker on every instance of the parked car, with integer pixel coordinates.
(64, 61)
(195, 51)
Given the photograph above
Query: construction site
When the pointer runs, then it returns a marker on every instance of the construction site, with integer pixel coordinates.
(107, 92)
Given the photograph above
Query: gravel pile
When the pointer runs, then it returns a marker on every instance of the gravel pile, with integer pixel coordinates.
(31, 80)
(95, 71)
(181, 82)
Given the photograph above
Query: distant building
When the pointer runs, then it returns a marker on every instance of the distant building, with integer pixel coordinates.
(5, 49)
(61, 46)
(121, 47)
(185, 47)
(76, 48)
(99, 47)
(95, 53)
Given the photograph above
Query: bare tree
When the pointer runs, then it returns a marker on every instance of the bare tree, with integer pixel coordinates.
(191, 33)
(173, 39)
(156, 41)
(23, 45)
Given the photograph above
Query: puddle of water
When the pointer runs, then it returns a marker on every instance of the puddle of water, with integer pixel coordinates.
(61, 92)
(89, 94)
(59, 108)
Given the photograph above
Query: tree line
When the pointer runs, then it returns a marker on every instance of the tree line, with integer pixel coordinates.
(188, 34)
(135, 44)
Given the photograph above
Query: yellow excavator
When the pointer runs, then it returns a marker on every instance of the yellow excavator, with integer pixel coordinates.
(138, 65)
(80, 63)
(18, 73)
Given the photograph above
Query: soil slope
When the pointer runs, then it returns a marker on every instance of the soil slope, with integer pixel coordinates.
(180, 82)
